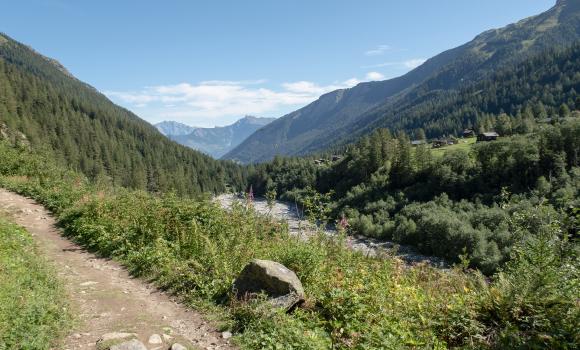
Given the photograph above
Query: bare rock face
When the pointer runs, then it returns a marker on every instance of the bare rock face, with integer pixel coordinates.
(278, 282)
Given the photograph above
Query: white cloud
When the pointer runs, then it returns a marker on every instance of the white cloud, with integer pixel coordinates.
(410, 63)
(379, 50)
(211, 102)
(414, 63)
(375, 76)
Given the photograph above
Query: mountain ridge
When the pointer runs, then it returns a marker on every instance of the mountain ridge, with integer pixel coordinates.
(215, 141)
(340, 116)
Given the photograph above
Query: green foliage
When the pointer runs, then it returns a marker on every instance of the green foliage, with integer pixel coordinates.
(195, 249)
(440, 204)
(317, 206)
(33, 309)
(271, 198)
(538, 288)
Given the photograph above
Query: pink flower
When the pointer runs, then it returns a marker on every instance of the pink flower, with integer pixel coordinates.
(251, 194)
(343, 222)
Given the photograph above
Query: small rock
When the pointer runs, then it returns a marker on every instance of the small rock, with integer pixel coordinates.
(108, 340)
(116, 335)
(155, 339)
(76, 335)
(178, 346)
(226, 335)
(167, 337)
(88, 283)
(132, 344)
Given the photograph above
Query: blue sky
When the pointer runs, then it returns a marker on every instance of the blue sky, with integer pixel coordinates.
(208, 63)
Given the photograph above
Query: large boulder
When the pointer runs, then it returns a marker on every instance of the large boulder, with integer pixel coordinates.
(278, 282)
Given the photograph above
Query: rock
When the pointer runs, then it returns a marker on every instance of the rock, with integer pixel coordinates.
(116, 336)
(132, 344)
(226, 335)
(272, 278)
(155, 339)
(88, 283)
(178, 346)
(107, 341)
(288, 301)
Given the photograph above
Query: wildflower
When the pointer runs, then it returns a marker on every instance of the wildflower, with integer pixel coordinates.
(343, 223)
(251, 194)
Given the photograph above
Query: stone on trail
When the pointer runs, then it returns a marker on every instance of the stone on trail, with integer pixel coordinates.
(155, 339)
(178, 346)
(279, 283)
(132, 344)
(109, 340)
(226, 335)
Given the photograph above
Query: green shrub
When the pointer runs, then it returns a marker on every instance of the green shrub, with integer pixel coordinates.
(33, 309)
(195, 249)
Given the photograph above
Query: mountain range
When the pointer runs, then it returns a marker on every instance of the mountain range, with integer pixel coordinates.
(215, 141)
(342, 116)
(171, 128)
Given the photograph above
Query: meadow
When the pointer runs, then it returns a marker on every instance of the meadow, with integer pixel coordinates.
(195, 249)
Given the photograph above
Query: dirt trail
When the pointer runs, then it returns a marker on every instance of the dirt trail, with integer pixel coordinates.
(104, 297)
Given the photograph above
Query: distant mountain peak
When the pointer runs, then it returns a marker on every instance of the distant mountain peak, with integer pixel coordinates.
(214, 141)
(169, 127)
(250, 119)
(567, 7)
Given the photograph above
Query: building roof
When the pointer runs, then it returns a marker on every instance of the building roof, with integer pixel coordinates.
(490, 134)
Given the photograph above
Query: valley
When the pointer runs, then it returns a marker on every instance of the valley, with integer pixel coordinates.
(300, 227)
(217, 141)
(438, 209)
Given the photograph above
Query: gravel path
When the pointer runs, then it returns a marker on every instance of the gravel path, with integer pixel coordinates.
(104, 297)
(301, 227)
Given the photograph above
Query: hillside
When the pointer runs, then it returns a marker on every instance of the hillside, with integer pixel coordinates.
(81, 128)
(215, 141)
(343, 115)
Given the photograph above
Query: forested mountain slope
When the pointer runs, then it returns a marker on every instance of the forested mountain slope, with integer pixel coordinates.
(435, 200)
(81, 128)
(342, 115)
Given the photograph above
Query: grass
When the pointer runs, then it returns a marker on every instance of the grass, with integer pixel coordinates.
(33, 308)
(195, 250)
(464, 144)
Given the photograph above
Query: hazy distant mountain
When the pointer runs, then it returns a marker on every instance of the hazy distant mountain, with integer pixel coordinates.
(174, 128)
(213, 141)
(343, 115)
